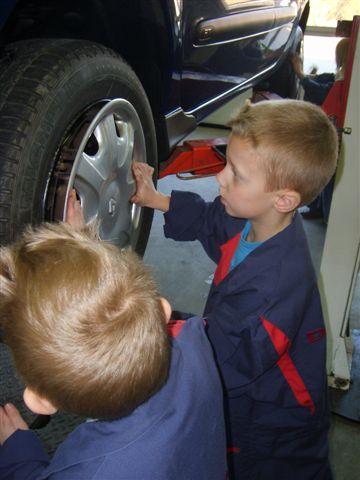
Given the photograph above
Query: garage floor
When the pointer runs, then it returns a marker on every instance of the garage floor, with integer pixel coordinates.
(184, 274)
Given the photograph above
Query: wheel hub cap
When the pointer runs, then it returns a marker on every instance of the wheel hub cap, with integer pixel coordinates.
(102, 174)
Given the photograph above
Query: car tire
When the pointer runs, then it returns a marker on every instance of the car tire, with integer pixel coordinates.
(52, 93)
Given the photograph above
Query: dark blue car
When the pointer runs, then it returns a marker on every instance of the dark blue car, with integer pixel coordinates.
(88, 86)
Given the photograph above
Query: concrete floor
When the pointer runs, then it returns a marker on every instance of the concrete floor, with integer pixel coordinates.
(184, 274)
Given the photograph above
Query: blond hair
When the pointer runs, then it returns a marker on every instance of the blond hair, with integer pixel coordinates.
(296, 142)
(83, 320)
(341, 54)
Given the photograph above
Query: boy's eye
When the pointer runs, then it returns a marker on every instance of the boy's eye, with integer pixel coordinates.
(236, 174)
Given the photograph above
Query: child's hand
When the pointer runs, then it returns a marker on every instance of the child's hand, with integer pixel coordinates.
(74, 212)
(145, 189)
(10, 421)
(146, 195)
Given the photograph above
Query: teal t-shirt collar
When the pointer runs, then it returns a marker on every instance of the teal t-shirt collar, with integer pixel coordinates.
(244, 247)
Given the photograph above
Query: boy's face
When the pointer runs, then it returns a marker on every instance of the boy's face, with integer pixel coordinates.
(242, 182)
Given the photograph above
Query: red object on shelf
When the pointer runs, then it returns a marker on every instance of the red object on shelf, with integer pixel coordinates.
(195, 159)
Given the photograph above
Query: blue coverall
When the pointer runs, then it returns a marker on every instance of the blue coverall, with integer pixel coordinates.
(266, 327)
(178, 434)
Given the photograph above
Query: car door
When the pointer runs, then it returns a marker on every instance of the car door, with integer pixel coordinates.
(229, 43)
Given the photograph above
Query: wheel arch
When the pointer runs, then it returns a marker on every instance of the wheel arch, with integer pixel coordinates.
(140, 35)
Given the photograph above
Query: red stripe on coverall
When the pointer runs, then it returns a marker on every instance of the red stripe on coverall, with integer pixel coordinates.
(227, 252)
(287, 366)
(174, 327)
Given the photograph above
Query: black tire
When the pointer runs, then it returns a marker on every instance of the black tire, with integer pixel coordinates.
(46, 86)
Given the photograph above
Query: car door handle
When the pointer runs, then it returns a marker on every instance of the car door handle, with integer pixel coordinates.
(233, 27)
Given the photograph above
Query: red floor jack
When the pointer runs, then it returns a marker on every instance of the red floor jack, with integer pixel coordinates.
(196, 159)
(202, 158)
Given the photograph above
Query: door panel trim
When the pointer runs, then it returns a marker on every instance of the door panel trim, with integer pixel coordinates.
(241, 86)
(241, 25)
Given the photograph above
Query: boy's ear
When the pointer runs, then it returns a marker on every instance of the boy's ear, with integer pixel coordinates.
(167, 308)
(38, 404)
(287, 201)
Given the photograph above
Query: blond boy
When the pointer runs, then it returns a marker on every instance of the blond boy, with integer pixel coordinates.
(87, 329)
(263, 311)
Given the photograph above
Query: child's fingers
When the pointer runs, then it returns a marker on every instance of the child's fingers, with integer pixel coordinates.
(141, 168)
(72, 198)
(15, 417)
(77, 206)
(4, 419)
(79, 214)
(137, 167)
(136, 172)
(3, 414)
(74, 211)
(150, 170)
(6, 426)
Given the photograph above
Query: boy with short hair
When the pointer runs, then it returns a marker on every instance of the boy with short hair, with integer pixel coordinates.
(87, 329)
(263, 311)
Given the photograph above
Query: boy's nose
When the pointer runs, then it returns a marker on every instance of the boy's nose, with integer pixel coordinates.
(220, 177)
